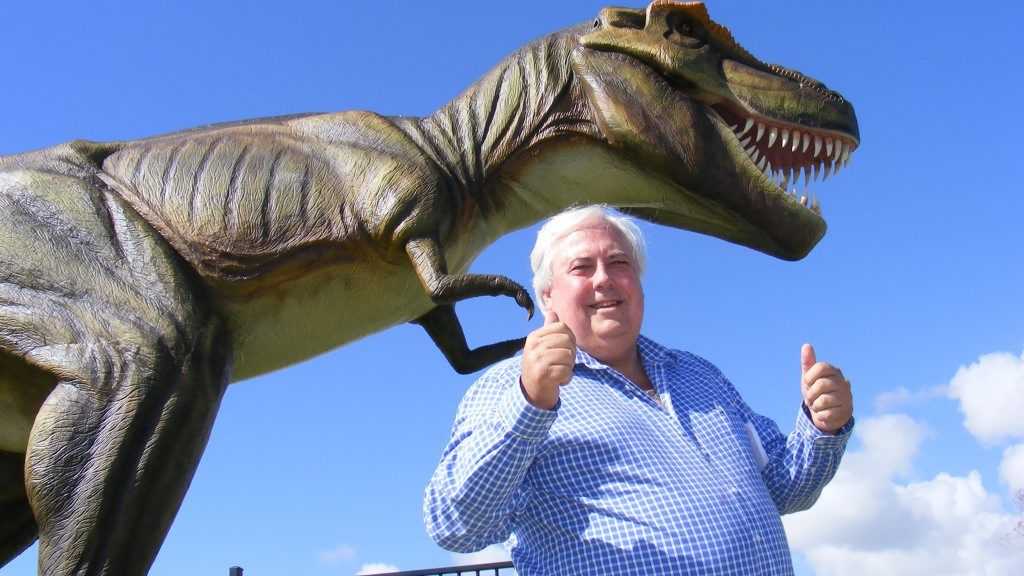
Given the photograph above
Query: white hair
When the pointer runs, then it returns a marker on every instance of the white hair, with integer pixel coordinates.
(561, 225)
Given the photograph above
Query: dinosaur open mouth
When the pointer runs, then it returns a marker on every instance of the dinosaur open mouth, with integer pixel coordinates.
(786, 152)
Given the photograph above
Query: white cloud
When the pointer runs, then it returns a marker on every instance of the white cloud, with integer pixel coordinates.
(493, 553)
(868, 522)
(991, 394)
(1011, 469)
(901, 396)
(376, 568)
(338, 554)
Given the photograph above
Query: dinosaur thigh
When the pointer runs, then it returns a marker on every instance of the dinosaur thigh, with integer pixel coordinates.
(91, 295)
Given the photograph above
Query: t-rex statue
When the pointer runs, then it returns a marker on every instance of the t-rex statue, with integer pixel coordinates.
(139, 278)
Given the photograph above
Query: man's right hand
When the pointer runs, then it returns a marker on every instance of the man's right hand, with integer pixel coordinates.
(548, 360)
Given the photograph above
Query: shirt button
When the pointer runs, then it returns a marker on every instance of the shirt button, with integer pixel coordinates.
(757, 537)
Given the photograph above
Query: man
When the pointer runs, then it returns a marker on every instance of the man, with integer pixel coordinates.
(601, 452)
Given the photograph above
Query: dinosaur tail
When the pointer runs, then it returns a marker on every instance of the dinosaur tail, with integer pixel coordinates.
(18, 529)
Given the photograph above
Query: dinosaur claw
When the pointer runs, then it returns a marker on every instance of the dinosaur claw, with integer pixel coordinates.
(524, 300)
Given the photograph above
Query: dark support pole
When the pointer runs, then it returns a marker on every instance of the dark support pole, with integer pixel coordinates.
(235, 571)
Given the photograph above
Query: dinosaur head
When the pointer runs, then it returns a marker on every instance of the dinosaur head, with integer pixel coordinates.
(733, 135)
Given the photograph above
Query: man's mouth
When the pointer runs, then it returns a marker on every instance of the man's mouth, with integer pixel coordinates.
(605, 304)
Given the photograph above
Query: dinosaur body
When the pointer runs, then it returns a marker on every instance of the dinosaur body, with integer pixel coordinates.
(139, 278)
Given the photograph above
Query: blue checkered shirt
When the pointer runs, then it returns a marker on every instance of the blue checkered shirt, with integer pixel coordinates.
(612, 481)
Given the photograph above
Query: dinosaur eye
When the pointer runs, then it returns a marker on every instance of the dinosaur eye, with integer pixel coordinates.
(597, 23)
(684, 33)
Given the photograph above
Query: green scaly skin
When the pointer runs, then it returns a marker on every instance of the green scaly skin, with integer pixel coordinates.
(137, 279)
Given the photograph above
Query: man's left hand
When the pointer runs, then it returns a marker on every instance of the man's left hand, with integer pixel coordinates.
(826, 392)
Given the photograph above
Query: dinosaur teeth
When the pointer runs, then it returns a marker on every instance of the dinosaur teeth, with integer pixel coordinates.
(745, 142)
(785, 138)
(796, 140)
(807, 142)
(746, 128)
(828, 147)
(846, 155)
(838, 150)
(760, 132)
(817, 145)
(772, 134)
(828, 170)
(761, 164)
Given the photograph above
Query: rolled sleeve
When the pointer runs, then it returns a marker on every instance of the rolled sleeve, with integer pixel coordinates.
(472, 496)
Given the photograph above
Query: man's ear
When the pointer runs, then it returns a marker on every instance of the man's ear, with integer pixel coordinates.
(545, 298)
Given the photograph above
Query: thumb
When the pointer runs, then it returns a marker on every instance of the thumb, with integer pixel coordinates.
(550, 317)
(807, 358)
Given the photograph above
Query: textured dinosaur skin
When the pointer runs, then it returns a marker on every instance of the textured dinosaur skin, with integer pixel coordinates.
(138, 279)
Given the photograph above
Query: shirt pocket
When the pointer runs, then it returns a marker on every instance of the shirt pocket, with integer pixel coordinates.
(724, 439)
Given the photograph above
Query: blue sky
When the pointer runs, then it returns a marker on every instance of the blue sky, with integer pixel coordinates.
(915, 291)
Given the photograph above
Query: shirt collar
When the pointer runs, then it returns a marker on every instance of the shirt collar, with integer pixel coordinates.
(651, 354)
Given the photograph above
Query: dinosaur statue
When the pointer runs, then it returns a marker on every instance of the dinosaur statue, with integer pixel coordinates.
(139, 278)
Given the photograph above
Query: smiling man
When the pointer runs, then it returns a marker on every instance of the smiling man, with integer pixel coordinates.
(602, 452)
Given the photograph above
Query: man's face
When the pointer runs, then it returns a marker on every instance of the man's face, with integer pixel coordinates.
(595, 290)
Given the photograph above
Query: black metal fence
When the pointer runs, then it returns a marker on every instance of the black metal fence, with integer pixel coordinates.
(489, 569)
(492, 568)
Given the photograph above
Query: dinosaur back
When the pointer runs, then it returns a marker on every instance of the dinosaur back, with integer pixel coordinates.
(232, 200)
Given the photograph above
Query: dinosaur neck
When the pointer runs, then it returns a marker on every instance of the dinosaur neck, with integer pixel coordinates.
(531, 97)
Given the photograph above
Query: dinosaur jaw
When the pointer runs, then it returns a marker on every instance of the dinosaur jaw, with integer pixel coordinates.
(719, 188)
(790, 155)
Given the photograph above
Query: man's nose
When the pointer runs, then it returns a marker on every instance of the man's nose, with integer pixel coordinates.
(601, 276)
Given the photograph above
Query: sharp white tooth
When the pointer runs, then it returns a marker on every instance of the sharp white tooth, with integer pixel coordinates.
(772, 134)
(828, 170)
(734, 127)
(745, 141)
(828, 148)
(761, 164)
(838, 151)
(814, 171)
(756, 155)
(785, 138)
(817, 145)
(846, 155)
(746, 127)
(807, 175)
(794, 175)
(807, 142)
(796, 140)
(768, 168)
(803, 201)
(760, 132)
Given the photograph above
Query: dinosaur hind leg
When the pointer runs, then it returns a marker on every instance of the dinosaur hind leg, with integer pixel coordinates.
(18, 528)
(91, 295)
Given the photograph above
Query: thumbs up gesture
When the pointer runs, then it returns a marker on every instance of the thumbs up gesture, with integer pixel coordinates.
(549, 356)
(826, 392)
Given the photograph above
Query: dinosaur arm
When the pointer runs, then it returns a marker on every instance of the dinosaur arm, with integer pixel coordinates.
(443, 326)
(444, 288)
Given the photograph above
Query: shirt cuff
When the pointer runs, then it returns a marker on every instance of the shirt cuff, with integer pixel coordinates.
(806, 427)
(524, 419)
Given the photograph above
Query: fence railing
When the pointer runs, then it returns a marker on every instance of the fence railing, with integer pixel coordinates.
(489, 569)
